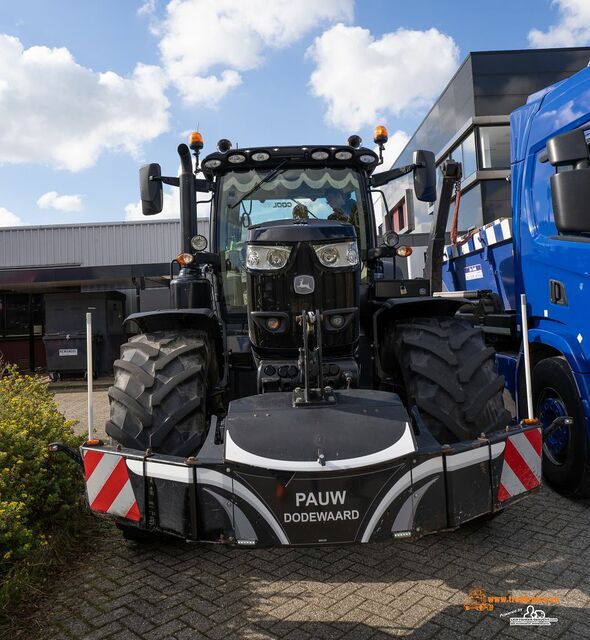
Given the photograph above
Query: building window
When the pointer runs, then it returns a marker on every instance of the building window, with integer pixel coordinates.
(466, 154)
(495, 195)
(495, 147)
(469, 155)
(15, 315)
(400, 218)
(470, 211)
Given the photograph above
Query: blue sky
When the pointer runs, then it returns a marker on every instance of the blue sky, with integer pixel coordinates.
(79, 117)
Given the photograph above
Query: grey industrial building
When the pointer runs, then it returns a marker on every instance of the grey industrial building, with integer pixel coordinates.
(63, 269)
(470, 122)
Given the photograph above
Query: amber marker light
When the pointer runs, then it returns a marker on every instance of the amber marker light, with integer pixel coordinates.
(380, 134)
(184, 259)
(404, 251)
(195, 140)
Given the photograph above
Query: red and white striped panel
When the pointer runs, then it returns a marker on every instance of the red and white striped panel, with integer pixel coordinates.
(522, 464)
(108, 486)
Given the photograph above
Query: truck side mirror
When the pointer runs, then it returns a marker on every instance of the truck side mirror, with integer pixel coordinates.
(568, 148)
(150, 189)
(570, 187)
(424, 176)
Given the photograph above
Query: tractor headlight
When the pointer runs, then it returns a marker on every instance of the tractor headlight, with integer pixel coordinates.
(262, 258)
(337, 255)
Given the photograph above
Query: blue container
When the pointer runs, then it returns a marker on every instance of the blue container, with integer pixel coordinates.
(484, 261)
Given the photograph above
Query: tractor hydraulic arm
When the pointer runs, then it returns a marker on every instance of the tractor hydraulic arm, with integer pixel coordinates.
(450, 175)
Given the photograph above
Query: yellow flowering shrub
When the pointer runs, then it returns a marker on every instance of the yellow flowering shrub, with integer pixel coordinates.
(39, 491)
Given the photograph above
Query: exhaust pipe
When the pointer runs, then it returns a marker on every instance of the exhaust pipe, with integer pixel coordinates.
(188, 199)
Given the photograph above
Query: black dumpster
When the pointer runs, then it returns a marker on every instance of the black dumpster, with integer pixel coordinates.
(65, 331)
(66, 353)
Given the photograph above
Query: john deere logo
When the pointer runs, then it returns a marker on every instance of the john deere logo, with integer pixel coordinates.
(304, 284)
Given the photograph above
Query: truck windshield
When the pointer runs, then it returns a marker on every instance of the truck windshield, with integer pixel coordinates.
(291, 194)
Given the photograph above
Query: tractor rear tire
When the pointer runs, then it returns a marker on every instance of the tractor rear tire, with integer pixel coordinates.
(158, 400)
(450, 375)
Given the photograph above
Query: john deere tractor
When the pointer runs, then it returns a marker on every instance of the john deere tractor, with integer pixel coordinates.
(299, 390)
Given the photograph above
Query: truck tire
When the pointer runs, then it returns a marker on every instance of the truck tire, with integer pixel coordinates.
(450, 375)
(566, 460)
(158, 397)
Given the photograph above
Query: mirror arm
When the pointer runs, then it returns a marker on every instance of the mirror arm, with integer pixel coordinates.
(379, 179)
(204, 186)
(175, 182)
(200, 185)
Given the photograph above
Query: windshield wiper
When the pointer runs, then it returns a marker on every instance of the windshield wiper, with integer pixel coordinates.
(257, 186)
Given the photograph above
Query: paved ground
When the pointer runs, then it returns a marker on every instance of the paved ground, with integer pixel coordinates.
(74, 405)
(178, 591)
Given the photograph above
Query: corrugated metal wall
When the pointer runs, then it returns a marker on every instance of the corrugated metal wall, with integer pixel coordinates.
(92, 245)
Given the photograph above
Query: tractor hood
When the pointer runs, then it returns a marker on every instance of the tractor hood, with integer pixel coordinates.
(362, 428)
(297, 231)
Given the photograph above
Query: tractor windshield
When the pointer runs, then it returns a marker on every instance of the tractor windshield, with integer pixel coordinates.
(249, 197)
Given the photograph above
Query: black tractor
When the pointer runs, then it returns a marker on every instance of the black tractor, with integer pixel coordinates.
(300, 390)
(294, 296)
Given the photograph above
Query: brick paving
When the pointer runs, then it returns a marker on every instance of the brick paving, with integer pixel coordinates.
(178, 591)
(74, 405)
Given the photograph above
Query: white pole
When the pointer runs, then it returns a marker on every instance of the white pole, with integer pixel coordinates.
(89, 374)
(527, 355)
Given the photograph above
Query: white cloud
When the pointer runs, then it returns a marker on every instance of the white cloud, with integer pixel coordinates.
(362, 78)
(572, 28)
(393, 148)
(205, 44)
(8, 219)
(58, 112)
(68, 204)
(146, 8)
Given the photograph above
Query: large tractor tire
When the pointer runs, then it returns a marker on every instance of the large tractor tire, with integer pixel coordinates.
(566, 456)
(450, 375)
(158, 397)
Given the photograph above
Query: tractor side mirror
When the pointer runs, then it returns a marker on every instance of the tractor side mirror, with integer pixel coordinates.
(570, 186)
(150, 189)
(424, 176)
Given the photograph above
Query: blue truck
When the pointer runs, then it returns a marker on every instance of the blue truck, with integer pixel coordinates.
(543, 251)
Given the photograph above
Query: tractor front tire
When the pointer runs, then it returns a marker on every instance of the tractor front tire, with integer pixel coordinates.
(450, 375)
(158, 399)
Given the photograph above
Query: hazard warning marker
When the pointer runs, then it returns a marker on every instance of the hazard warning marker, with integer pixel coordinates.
(521, 471)
(108, 485)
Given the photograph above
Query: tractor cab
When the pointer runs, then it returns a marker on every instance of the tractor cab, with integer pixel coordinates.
(289, 197)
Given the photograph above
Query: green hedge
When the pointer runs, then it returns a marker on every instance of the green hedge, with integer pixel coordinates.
(40, 493)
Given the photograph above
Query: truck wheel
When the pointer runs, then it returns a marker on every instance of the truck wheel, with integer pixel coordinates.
(450, 375)
(158, 397)
(566, 463)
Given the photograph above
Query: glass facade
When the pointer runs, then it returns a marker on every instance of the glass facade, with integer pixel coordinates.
(470, 210)
(494, 145)
(465, 153)
(469, 155)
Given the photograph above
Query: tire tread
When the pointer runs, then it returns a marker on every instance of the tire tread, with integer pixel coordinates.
(158, 399)
(449, 374)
